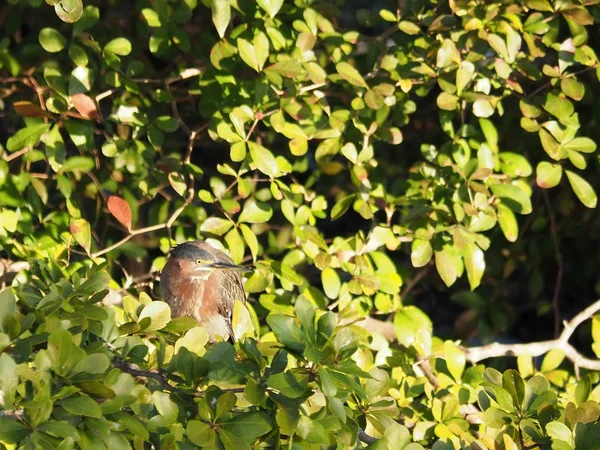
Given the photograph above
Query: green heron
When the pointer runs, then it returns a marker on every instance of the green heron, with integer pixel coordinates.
(202, 282)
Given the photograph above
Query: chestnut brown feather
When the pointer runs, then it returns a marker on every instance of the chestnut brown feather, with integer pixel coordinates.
(202, 282)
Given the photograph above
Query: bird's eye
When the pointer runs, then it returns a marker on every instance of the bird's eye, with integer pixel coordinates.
(203, 261)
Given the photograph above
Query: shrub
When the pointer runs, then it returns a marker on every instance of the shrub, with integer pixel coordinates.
(343, 161)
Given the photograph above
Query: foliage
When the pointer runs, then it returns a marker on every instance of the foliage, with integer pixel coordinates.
(344, 164)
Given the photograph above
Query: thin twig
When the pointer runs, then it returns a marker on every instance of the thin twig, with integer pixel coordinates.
(135, 371)
(161, 226)
(559, 263)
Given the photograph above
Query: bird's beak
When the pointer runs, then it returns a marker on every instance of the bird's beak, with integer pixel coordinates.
(226, 266)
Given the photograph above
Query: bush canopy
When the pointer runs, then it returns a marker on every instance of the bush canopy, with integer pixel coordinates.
(413, 184)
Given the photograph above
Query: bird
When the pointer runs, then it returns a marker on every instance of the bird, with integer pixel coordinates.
(202, 282)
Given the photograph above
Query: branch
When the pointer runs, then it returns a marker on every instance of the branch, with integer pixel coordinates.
(476, 354)
(161, 226)
(131, 369)
(364, 437)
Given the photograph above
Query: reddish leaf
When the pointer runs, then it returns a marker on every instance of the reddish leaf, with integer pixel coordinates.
(28, 109)
(119, 208)
(85, 106)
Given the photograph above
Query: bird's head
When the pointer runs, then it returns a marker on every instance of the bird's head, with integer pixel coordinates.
(199, 259)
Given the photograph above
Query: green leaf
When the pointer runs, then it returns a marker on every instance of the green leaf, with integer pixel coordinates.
(167, 124)
(82, 406)
(247, 53)
(548, 175)
(250, 239)
(455, 360)
(290, 384)
(411, 325)
(464, 75)
(51, 40)
(446, 266)
(581, 144)
(508, 223)
(216, 225)
(82, 233)
(232, 442)
(249, 425)
(12, 431)
(421, 252)
(119, 46)
(201, 434)
(221, 15)
(572, 88)
(331, 283)
(552, 360)
(159, 314)
(340, 208)
(583, 190)
(27, 137)
(558, 106)
(270, 6)
(474, 264)
(263, 159)
(255, 212)
(351, 75)
(514, 197)
(94, 363)
(77, 163)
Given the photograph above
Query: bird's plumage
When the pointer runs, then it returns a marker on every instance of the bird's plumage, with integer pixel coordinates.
(202, 282)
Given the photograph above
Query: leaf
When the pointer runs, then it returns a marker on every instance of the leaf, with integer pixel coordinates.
(120, 210)
(581, 144)
(81, 231)
(82, 406)
(255, 212)
(249, 425)
(583, 190)
(421, 252)
(270, 6)
(572, 88)
(446, 266)
(11, 431)
(221, 15)
(28, 109)
(247, 53)
(78, 164)
(514, 197)
(548, 174)
(216, 225)
(51, 40)
(201, 434)
(464, 75)
(27, 137)
(85, 106)
(177, 182)
(119, 46)
(250, 239)
(508, 223)
(94, 363)
(351, 75)
(340, 208)
(412, 327)
(290, 384)
(159, 314)
(263, 159)
(331, 283)
(455, 360)
(69, 10)
(94, 284)
(474, 264)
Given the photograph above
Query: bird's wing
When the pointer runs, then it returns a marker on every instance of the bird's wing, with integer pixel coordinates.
(233, 286)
